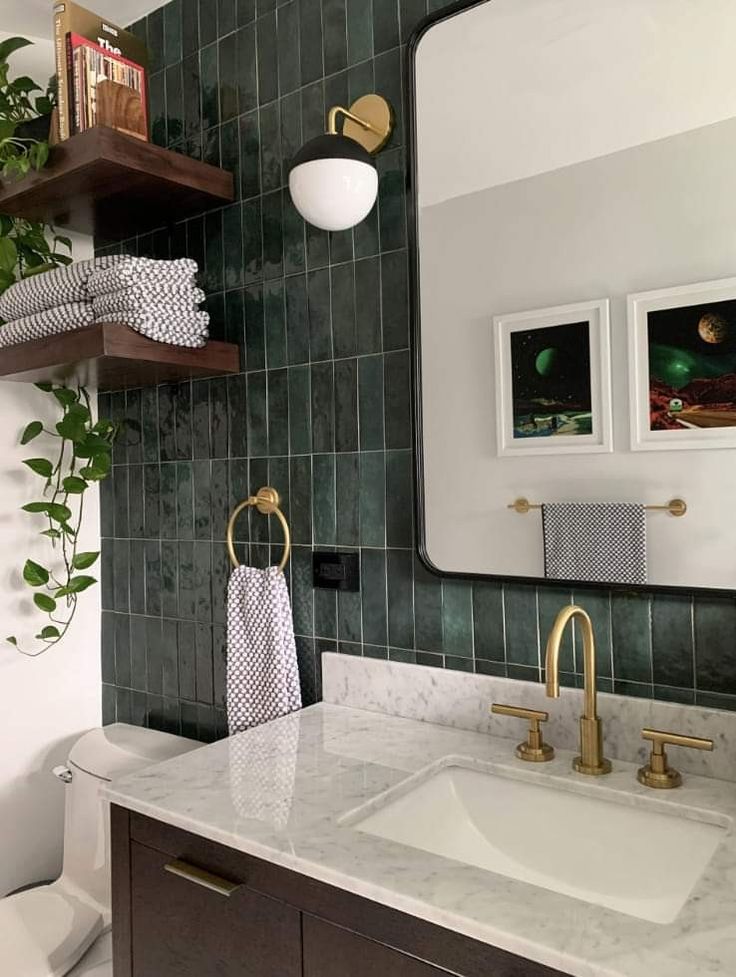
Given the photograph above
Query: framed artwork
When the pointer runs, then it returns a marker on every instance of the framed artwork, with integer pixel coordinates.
(682, 361)
(553, 380)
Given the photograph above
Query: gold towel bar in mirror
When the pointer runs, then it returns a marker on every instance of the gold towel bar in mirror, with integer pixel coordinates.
(267, 501)
(675, 507)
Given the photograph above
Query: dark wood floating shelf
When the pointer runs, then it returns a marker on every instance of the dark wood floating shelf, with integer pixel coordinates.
(105, 183)
(111, 356)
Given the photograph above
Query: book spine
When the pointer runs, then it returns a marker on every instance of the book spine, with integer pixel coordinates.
(61, 28)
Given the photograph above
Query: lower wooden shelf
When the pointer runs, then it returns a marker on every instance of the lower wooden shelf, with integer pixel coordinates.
(110, 356)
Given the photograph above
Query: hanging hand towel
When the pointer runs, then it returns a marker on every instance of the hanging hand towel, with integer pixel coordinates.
(262, 669)
(596, 542)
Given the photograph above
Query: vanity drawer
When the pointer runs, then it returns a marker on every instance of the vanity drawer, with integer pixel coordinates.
(185, 923)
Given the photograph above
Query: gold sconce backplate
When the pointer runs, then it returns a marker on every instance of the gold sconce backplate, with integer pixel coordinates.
(375, 110)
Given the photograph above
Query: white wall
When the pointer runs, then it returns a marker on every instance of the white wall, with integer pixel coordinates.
(45, 703)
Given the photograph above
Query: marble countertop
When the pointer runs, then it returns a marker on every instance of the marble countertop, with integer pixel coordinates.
(281, 792)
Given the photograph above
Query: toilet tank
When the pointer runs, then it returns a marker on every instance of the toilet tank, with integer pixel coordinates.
(98, 757)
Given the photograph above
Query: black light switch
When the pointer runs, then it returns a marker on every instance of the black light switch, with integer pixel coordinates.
(336, 571)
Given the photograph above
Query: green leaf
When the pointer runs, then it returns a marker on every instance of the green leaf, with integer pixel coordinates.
(8, 254)
(51, 533)
(83, 560)
(41, 466)
(36, 507)
(64, 241)
(65, 396)
(34, 574)
(72, 427)
(44, 105)
(77, 584)
(39, 155)
(74, 485)
(45, 386)
(6, 224)
(12, 44)
(49, 632)
(92, 446)
(57, 512)
(44, 602)
(25, 84)
(12, 641)
(68, 531)
(92, 474)
(31, 431)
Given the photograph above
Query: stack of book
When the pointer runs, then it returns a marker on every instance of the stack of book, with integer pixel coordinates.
(101, 72)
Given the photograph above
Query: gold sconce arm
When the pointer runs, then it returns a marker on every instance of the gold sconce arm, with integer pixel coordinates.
(369, 121)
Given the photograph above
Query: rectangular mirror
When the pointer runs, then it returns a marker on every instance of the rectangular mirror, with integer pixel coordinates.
(575, 272)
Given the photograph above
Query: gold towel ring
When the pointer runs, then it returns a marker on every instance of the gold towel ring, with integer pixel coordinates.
(267, 502)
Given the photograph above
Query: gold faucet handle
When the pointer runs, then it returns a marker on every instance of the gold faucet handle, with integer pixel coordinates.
(533, 749)
(658, 773)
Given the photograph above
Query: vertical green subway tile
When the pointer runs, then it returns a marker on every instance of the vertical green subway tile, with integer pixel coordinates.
(270, 130)
(226, 17)
(310, 37)
(278, 412)
(522, 627)
(137, 578)
(318, 305)
(203, 581)
(334, 22)
(189, 26)
(250, 156)
(151, 501)
(411, 13)
(323, 407)
(122, 650)
(598, 605)
(300, 421)
(397, 379)
(185, 499)
(135, 501)
(245, 11)
(149, 424)
(187, 654)
(230, 152)
(301, 499)
(202, 477)
(373, 596)
(291, 130)
(207, 21)
(399, 499)
(631, 629)
(287, 17)
(155, 40)
(220, 510)
(427, 609)
(349, 616)
(185, 559)
(323, 499)
(257, 421)
(551, 599)
(346, 405)
(302, 594)
(121, 575)
(252, 240)
(361, 79)
(325, 613)
(273, 235)
(488, 621)
(232, 232)
(247, 68)
(389, 83)
(395, 300)
(365, 235)
(227, 55)
(673, 650)
(317, 247)
(348, 499)
(168, 500)
(219, 417)
(457, 618)
(255, 331)
(313, 118)
(275, 315)
(360, 31)
(385, 25)
(259, 527)
(715, 640)
(343, 311)
(120, 502)
(392, 199)
(268, 81)
(341, 246)
(174, 104)
(370, 401)
(209, 86)
(167, 424)
(183, 420)
(400, 582)
(191, 98)
(373, 498)
(368, 305)
(297, 320)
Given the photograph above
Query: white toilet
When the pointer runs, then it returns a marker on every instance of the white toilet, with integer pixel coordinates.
(64, 928)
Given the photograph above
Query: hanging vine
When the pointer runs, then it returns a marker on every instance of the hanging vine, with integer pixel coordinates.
(82, 455)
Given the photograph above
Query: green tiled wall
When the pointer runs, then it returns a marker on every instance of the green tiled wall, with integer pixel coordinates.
(321, 409)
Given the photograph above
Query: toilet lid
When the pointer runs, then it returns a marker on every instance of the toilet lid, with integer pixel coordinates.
(45, 931)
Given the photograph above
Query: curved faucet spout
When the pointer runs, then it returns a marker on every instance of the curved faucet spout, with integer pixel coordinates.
(591, 760)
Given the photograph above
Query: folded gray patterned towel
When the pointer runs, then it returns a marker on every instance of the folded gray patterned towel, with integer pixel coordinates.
(51, 289)
(176, 275)
(140, 300)
(164, 324)
(64, 318)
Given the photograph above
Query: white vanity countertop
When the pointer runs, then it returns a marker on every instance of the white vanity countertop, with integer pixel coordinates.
(279, 793)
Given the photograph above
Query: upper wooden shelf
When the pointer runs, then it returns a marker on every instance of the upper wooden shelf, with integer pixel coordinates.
(111, 356)
(105, 183)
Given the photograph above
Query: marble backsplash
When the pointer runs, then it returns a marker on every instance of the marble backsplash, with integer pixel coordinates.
(462, 701)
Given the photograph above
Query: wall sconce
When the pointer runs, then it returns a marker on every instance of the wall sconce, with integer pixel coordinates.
(333, 179)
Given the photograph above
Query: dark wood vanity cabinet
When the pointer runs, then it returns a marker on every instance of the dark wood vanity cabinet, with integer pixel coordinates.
(187, 907)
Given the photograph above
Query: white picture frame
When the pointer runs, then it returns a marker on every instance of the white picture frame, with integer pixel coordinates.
(639, 306)
(509, 443)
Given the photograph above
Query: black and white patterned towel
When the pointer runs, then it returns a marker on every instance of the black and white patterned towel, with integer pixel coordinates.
(51, 289)
(262, 669)
(64, 318)
(164, 324)
(131, 272)
(141, 299)
(595, 542)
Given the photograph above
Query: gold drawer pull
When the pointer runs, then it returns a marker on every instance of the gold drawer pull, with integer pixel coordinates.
(658, 773)
(207, 880)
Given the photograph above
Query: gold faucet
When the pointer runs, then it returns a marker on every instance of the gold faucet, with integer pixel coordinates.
(591, 760)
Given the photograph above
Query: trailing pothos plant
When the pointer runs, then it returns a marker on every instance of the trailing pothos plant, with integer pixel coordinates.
(26, 247)
(82, 455)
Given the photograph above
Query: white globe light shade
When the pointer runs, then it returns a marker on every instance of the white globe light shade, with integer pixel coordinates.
(334, 194)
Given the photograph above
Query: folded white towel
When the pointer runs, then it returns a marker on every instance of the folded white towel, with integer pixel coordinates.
(141, 299)
(144, 272)
(64, 318)
(51, 289)
(262, 668)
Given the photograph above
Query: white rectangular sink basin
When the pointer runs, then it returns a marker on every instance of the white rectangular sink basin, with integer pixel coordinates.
(636, 860)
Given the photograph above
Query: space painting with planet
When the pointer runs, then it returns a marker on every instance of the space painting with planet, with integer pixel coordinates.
(551, 381)
(692, 367)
